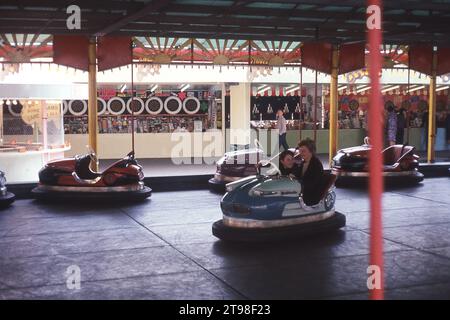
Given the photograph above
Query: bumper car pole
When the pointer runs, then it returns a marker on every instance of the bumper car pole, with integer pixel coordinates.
(374, 34)
(432, 111)
(300, 113)
(132, 98)
(332, 120)
(315, 107)
(92, 101)
(408, 111)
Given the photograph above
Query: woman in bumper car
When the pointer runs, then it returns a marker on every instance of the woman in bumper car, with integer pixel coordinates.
(311, 173)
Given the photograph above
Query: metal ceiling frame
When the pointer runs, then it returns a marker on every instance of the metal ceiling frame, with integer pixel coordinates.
(405, 21)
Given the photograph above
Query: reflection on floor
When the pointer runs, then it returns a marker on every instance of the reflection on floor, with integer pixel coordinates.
(163, 249)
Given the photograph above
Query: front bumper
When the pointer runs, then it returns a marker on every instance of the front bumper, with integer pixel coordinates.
(6, 199)
(268, 234)
(133, 192)
(219, 181)
(390, 177)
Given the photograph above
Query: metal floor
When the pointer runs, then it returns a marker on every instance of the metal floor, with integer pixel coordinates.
(163, 249)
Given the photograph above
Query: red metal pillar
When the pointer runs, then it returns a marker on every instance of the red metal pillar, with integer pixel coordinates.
(374, 35)
(408, 111)
(300, 113)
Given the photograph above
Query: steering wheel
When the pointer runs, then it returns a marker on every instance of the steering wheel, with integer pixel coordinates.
(92, 155)
(273, 166)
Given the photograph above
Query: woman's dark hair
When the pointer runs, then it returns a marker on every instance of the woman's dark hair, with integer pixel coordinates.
(308, 143)
(286, 153)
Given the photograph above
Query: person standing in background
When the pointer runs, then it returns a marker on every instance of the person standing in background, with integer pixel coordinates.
(425, 130)
(401, 125)
(281, 126)
(391, 126)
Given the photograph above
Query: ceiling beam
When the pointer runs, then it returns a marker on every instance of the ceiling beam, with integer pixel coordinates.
(155, 5)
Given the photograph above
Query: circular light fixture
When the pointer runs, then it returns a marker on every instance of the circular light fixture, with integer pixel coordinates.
(75, 104)
(120, 103)
(191, 105)
(135, 106)
(15, 110)
(101, 106)
(173, 105)
(154, 105)
(64, 104)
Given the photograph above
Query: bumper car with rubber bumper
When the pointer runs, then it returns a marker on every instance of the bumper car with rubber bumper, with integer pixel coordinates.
(235, 165)
(400, 165)
(73, 179)
(265, 208)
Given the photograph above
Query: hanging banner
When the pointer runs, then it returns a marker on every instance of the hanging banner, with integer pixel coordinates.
(71, 51)
(420, 58)
(113, 52)
(317, 56)
(351, 57)
(443, 61)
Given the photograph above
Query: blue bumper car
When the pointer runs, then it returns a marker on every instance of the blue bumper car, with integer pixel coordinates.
(269, 207)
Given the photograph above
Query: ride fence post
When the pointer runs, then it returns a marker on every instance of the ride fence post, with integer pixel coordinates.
(333, 127)
(374, 35)
(432, 111)
(92, 102)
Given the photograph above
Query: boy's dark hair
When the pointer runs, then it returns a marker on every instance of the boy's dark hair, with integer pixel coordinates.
(390, 108)
(308, 143)
(286, 153)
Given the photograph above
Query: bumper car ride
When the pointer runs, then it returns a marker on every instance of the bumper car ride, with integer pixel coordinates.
(268, 208)
(400, 165)
(233, 166)
(236, 165)
(72, 179)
